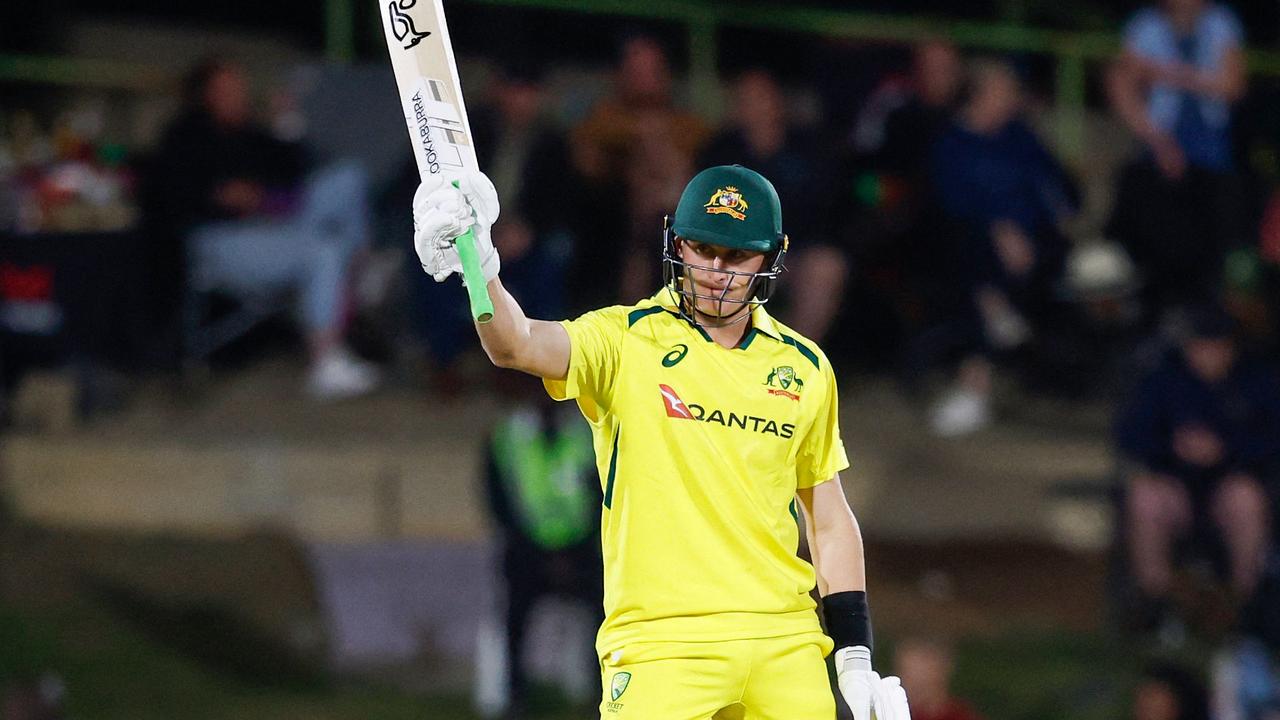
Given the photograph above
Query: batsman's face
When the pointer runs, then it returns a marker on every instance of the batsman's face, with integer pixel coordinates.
(720, 277)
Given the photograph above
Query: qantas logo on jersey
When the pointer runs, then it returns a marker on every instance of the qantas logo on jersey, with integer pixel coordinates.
(677, 408)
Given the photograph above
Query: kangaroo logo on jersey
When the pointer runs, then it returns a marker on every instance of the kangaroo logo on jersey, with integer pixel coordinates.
(402, 24)
(619, 684)
(727, 201)
(783, 381)
(675, 406)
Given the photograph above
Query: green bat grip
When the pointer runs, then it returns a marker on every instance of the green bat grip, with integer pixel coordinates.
(477, 288)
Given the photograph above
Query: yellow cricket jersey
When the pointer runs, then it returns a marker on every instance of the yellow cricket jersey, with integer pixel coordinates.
(701, 449)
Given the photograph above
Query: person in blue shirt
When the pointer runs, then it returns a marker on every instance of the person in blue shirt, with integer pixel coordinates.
(1181, 69)
(1003, 195)
(1200, 439)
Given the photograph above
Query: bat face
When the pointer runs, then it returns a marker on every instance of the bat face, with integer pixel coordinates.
(430, 93)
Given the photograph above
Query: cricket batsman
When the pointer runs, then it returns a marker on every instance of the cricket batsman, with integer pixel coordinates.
(712, 424)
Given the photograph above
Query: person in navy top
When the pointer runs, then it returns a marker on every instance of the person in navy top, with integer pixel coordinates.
(1179, 205)
(1003, 195)
(1200, 441)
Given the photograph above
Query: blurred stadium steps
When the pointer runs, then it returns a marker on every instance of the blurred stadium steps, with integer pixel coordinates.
(254, 452)
(400, 464)
(382, 496)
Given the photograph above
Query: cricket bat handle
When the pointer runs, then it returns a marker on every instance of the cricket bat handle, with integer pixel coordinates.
(477, 288)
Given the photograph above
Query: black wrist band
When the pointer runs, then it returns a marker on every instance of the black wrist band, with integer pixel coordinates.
(848, 618)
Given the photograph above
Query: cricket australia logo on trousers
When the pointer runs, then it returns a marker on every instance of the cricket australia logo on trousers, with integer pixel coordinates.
(619, 686)
(616, 688)
(402, 24)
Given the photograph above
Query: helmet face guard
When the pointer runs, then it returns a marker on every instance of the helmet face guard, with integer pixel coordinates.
(760, 290)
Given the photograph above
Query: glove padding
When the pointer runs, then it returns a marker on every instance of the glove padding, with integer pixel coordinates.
(866, 693)
(442, 212)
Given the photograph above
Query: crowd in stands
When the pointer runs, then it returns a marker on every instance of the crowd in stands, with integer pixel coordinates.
(929, 238)
(254, 216)
(930, 234)
(1199, 436)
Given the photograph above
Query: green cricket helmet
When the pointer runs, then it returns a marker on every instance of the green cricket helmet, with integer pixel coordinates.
(733, 207)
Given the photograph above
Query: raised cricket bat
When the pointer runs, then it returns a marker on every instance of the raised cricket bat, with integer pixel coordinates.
(431, 97)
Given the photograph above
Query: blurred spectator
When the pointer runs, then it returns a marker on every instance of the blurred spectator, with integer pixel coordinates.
(1246, 682)
(38, 698)
(904, 116)
(896, 230)
(527, 158)
(252, 219)
(544, 495)
(762, 138)
(1200, 437)
(925, 667)
(1180, 206)
(1004, 195)
(636, 149)
(1168, 692)
(1263, 284)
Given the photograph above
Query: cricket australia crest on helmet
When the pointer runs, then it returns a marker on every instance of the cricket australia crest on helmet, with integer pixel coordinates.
(730, 206)
(727, 201)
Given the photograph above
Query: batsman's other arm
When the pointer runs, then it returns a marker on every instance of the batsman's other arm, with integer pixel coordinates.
(835, 543)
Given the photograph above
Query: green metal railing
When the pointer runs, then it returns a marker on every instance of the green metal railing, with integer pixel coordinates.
(56, 70)
(1071, 51)
(702, 19)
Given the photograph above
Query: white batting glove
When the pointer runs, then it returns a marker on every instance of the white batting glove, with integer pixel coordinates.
(442, 212)
(866, 693)
(889, 701)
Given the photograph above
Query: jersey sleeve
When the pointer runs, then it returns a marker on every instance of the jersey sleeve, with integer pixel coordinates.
(595, 341)
(822, 453)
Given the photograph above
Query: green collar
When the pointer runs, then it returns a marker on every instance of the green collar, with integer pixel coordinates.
(667, 299)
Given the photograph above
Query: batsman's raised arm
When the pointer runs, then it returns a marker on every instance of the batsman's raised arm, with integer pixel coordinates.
(512, 340)
(442, 212)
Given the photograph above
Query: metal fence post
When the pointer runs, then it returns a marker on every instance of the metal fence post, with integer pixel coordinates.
(704, 80)
(1069, 104)
(339, 31)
